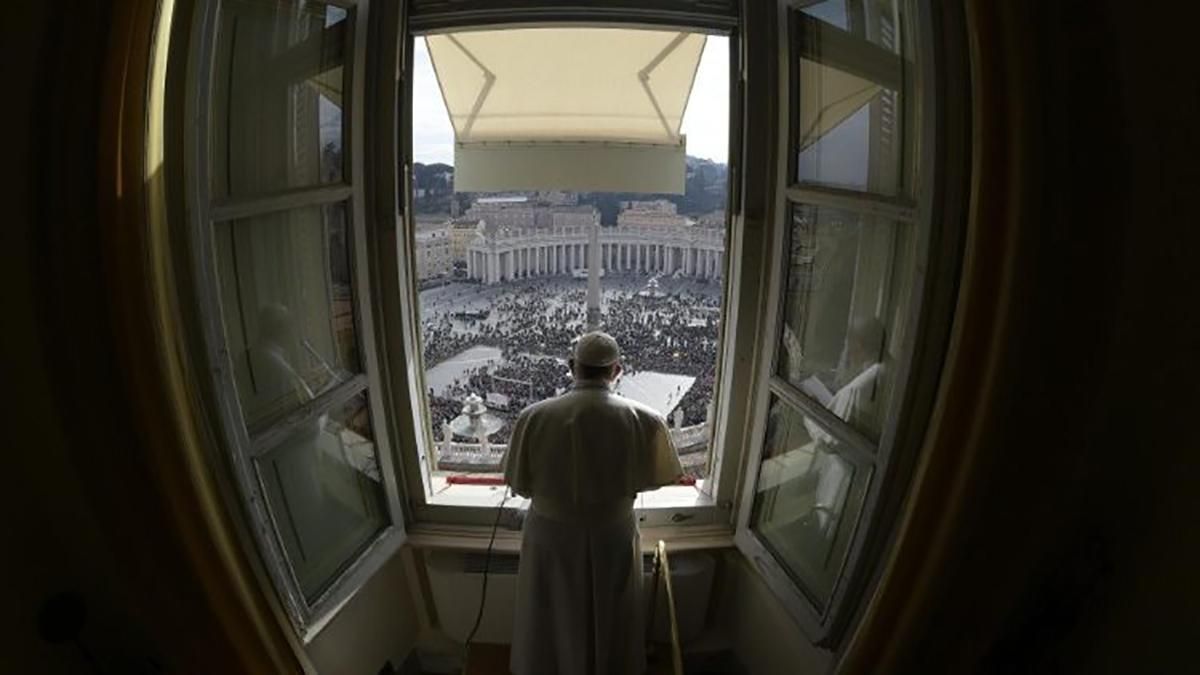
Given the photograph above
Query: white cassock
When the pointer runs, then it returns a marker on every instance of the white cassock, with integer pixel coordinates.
(582, 457)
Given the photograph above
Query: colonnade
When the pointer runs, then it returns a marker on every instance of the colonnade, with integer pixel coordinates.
(514, 259)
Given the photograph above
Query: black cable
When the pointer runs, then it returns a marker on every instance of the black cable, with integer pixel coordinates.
(487, 563)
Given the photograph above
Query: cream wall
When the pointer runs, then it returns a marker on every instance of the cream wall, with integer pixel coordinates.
(764, 637)
(378, 624)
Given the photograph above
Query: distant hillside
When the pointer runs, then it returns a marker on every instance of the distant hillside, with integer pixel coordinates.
(704, 191)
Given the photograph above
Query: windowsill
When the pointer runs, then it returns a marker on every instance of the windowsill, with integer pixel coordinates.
(475, 538)
(489, 496)
(682, 515)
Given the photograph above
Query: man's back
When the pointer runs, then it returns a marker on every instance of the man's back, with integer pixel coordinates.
(583, 457)
(589, 447)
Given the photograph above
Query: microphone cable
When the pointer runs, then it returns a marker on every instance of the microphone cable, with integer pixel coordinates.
(487, 563)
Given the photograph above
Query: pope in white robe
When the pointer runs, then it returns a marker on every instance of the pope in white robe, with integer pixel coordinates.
(582, 458)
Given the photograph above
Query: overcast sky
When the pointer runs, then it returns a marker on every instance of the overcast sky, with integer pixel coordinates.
(706, 122)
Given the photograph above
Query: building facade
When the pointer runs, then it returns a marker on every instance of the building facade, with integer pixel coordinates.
(434, 253)
(502, 254)
(658, 212)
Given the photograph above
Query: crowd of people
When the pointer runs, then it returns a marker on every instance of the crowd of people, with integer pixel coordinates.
(668, 328)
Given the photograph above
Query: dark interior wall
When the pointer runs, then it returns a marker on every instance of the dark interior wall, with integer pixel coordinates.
(1078, 548)
(87, 506)
(53, 541)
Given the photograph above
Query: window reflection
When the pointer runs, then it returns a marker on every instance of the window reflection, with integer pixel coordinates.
(278, 81)
(877, 21)
(287, 307)
(846, 296)
(807, 498)
(852, 80)
(325, 492)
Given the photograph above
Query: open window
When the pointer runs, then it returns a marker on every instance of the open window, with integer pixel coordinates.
(565, 177)
(847, 312)
(378, 304)
(276, 195)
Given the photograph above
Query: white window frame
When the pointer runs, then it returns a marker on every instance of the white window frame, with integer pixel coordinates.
(931, 211)
(307, 617)
(677, 513)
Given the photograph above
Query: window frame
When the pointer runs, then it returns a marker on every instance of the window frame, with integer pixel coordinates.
(932, 210)
(240, 450)
(713, 503)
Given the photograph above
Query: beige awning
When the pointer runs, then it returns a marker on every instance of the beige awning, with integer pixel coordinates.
(566, 97)
(827, 97)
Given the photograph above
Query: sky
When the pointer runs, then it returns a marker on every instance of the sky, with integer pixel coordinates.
(705, 123)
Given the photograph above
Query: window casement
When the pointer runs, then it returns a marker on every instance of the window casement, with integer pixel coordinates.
(834, 403)
(704, 510)
(305, 265)
(275, 183)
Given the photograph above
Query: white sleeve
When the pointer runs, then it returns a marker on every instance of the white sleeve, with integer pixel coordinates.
(659, 461)
(516, 464)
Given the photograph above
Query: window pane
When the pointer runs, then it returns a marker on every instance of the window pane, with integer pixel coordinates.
(325, 493)
(278, 79)
(852, 80)
(287, 306)
(807, 500)
(876, 21)
(849, 132)
(847, 293)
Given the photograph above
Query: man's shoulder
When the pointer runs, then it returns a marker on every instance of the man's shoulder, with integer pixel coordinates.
(538, 407)
(546, 407)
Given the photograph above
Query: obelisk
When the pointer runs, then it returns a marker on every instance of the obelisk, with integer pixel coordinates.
(593, 291)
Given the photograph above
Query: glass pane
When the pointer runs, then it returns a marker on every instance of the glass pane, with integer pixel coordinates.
(324, 490)
(852, 82)
(844, 310)
(287, 306)
(877, 21)
(807, 500)
(850, 132)
(278, 79)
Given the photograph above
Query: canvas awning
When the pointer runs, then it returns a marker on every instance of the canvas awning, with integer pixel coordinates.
(573, 108)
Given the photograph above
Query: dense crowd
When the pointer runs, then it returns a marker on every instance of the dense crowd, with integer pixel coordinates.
(533, 323)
